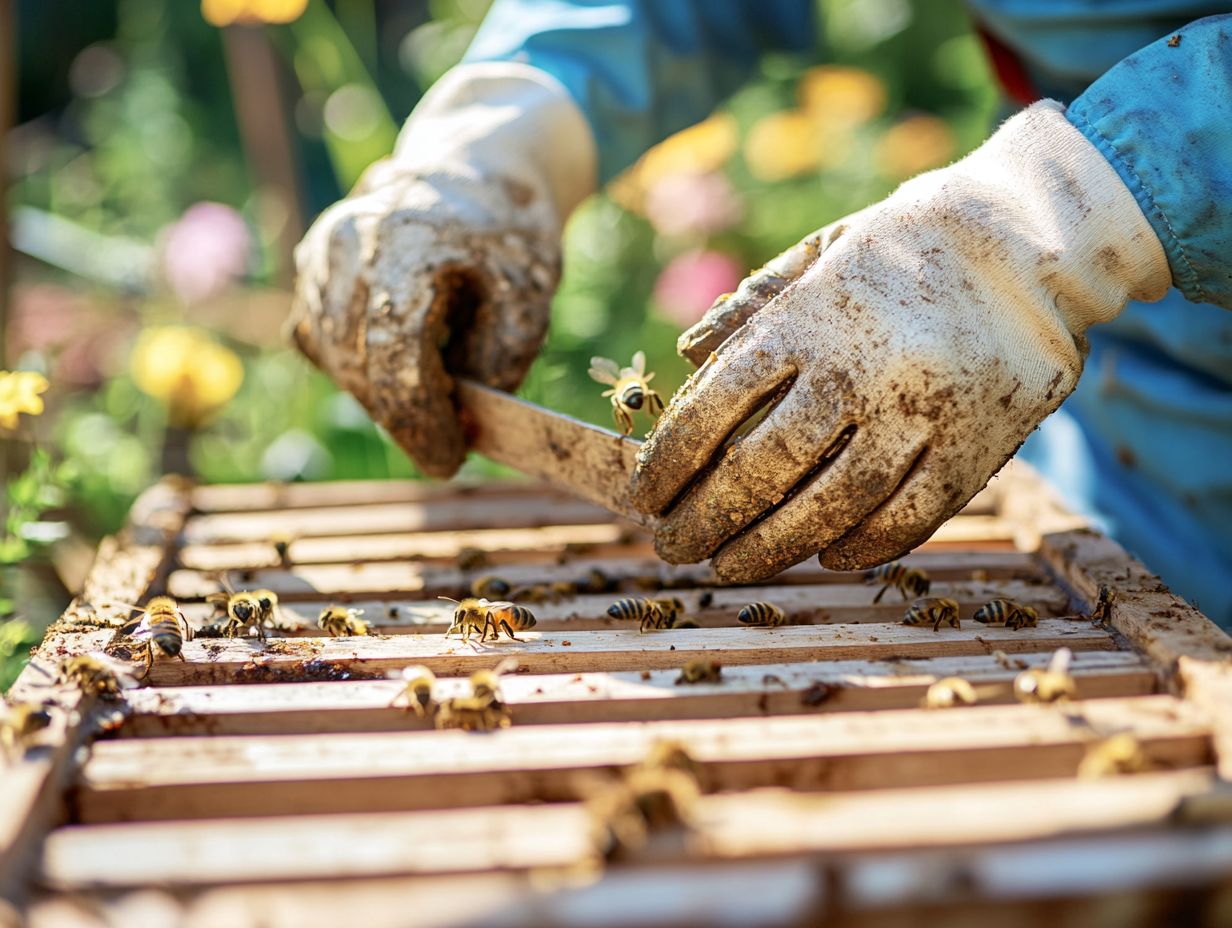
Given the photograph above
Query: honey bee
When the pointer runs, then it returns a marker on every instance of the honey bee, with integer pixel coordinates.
(700, 670)
(663, 614)
(490, 586)
(1008, 613)
(162, 626)
(949, 692)
(341, 622)
(646, 803)
(417, 689)
(1113, 756)
(934, 612)
(630, 389)
(1047, 685)
(478, 614)
(95, 674)
(909, 581)
(471, 558)
(282, 548)
(545, 592)
(671, 755)
(18, 726)
(245, 609)
(471, 713)
(761, 615)
(485, 684)
(595, 581)
(1102, 611)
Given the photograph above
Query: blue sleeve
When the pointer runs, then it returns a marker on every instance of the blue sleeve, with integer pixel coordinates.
(1163, 118)
(642, 69)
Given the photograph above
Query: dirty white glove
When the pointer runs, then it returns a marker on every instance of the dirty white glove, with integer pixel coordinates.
(903, 366)
(444, 258)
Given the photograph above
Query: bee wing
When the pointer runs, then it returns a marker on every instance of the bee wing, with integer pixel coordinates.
(639, 362)
(1061, 660)
(604, 370)
(410, 673)
(508, 665)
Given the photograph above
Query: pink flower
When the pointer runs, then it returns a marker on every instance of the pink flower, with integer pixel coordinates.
(693, 204)
(205, 251)
(691, 282)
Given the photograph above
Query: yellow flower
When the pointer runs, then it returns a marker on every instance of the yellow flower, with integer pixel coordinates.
(787, 144)
(840, 98)
(187, 371)
(914, 145)
(19, 392)
(699, 149)
(226, 12)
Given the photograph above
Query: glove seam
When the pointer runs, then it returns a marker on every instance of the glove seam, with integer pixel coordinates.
(1191, 286)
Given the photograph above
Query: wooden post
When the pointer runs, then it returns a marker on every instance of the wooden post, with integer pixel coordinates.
(258, 100)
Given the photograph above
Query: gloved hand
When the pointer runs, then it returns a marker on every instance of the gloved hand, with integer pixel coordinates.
(904, 353)
(444, 258)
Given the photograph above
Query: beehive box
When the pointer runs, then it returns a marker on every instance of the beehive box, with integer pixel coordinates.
(273, 784)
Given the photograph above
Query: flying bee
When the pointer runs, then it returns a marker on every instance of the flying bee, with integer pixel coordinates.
(630, 388)
(909, 581)
(761, 615)
(417, 689)
(700, 670)
(18, 726)
(934, 612)
(245, 609)
(478, 614)
(1008, 613)
(162, 626)
(1047, 685)
(489, 586)
(949, 692)
(1113, 756)
(95, 674)
(341, 622)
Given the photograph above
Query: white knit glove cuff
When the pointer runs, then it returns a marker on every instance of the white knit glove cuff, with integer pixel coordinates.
(1071, 225)
(502, 119)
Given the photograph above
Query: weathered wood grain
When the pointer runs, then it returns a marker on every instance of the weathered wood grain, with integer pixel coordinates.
(765, 689)
(167, 778)
(755, 824)
(247, 660)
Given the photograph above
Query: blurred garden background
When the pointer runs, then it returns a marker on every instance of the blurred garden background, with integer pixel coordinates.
(164, 156)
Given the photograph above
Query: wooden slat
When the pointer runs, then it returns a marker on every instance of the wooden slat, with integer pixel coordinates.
(247, 660)
(428, 516)
(804, 605)
(233, 776)
(521, 545)
(766, 689)
(758, 823)
(1139, 877)
(248, 497)
(393, 577)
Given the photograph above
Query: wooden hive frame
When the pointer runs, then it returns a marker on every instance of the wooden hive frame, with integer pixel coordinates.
(273, 783)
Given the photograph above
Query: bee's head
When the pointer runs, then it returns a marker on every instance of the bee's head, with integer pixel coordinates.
(243, 610)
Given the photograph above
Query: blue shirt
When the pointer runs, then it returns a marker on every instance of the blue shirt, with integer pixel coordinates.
(1144, 445)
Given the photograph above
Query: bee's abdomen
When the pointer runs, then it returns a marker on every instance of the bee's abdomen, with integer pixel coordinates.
(761, 613)
(630, 608)
(632, 396)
